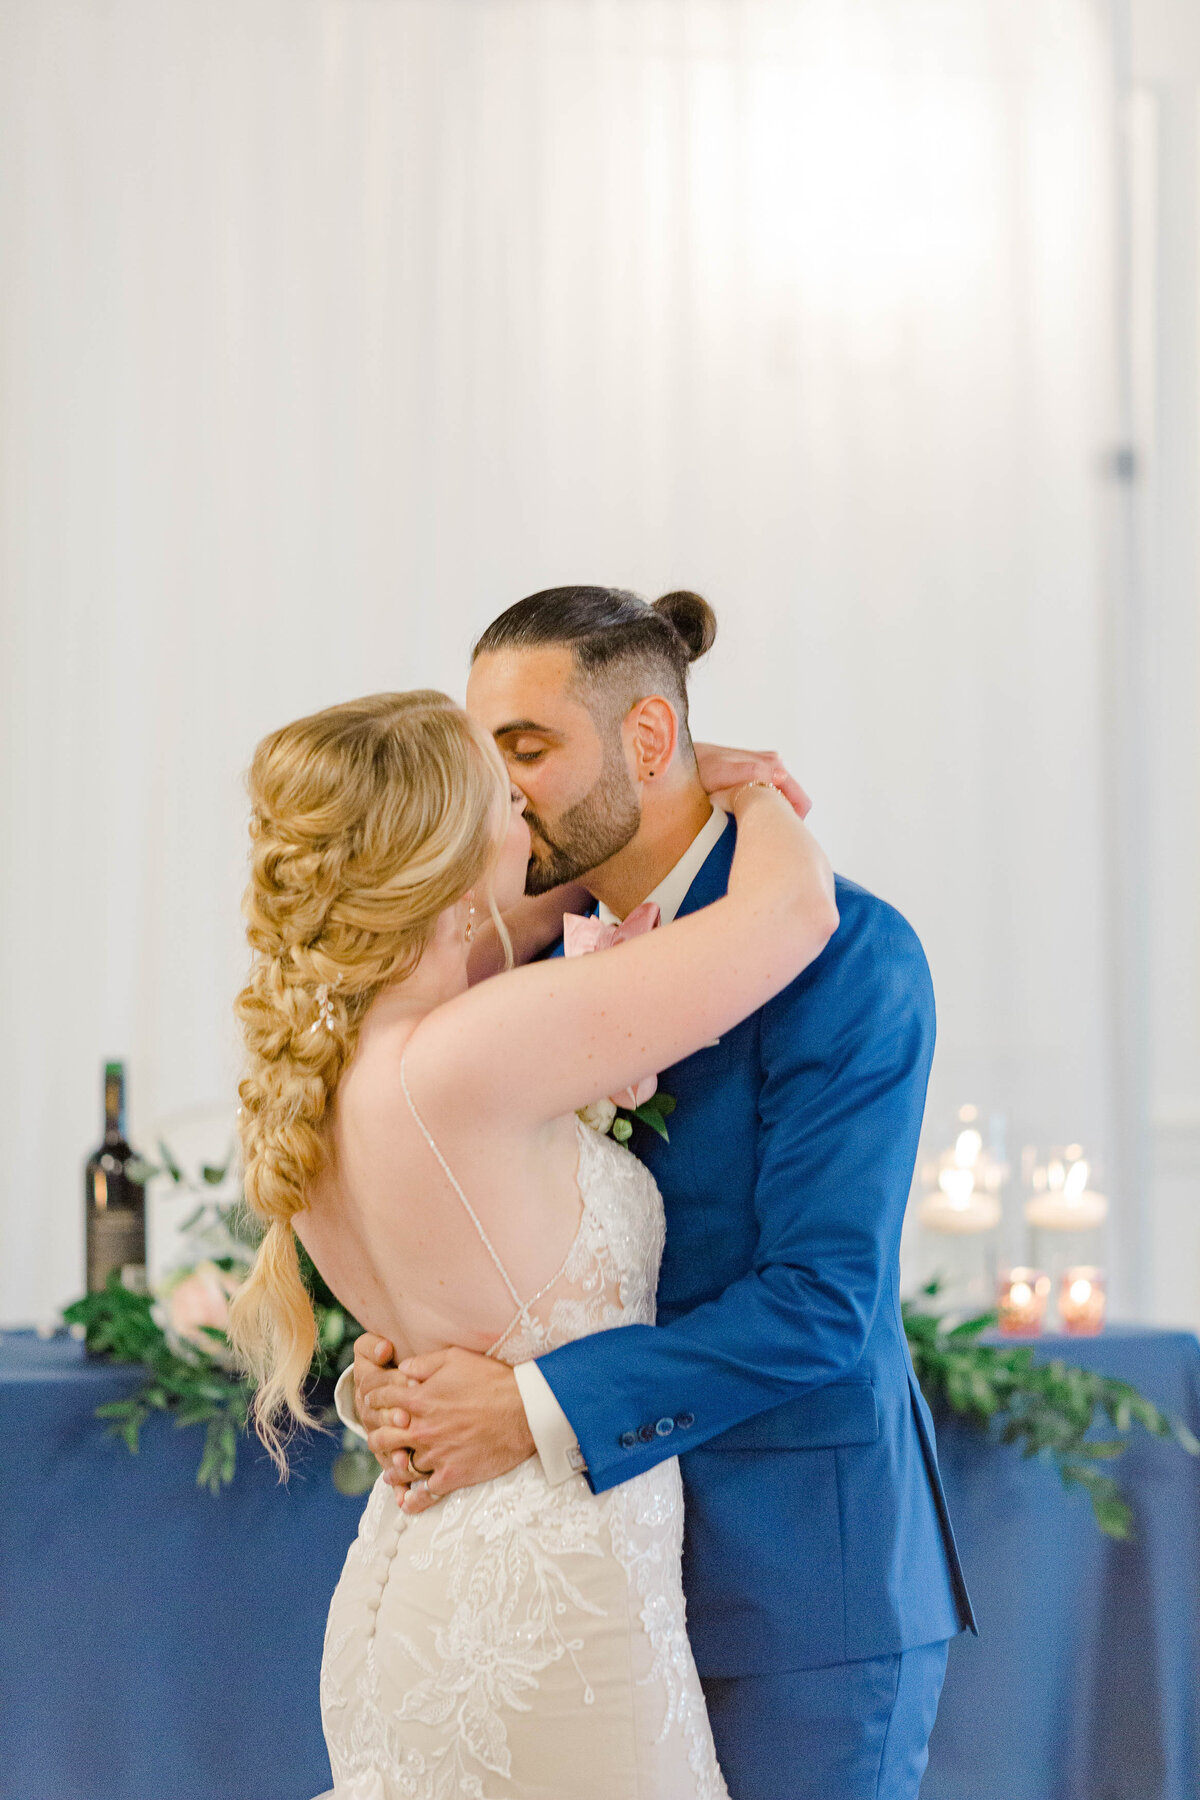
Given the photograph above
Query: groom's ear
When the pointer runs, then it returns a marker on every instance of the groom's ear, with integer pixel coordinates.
(650, 733)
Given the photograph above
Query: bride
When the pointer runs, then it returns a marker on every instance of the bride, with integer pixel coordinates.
(420, 1135)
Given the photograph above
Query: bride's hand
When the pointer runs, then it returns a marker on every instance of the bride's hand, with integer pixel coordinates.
(720, 769)
(374, 1377)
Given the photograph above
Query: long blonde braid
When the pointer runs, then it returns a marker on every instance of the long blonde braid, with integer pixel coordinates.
(368, 820)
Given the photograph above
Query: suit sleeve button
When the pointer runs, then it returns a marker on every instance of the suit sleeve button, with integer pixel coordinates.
(685, 1420)
(646, 1433)
(665, 1427)
(628, 1439)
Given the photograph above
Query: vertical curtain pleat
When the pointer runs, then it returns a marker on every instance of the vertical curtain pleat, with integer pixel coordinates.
(330, 327)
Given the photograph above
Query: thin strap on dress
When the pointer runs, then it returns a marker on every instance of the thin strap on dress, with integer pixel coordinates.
(448, 1172)
(523, 1306)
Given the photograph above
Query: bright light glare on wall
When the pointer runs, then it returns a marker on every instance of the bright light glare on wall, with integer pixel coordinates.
(869, 175)
(870, 188)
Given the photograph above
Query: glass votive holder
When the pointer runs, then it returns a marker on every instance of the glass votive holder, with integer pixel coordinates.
(1021, 1297)
(1081, 1301)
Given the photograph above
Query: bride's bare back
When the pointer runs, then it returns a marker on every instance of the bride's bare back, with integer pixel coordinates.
(394, 1239)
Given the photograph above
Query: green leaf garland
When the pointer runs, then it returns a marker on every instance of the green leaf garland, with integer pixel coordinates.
(194, 1389)
(1045, 1409)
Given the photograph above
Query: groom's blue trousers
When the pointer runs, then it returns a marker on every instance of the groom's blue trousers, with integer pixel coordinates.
(856, 1731)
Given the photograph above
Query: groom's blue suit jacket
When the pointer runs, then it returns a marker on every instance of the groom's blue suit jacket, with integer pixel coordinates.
(815, 1525)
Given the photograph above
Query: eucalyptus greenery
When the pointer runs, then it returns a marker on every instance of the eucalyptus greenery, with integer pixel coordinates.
(1047, 1409)
(119, 1324)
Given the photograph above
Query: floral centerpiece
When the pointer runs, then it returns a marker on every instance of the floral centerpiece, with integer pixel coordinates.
(177, 1331)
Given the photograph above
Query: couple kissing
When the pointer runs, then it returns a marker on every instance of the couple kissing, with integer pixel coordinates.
(660, 1515)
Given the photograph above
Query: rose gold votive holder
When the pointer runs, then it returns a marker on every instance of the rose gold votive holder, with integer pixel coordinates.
(1081, 1301)
(1021, 1296)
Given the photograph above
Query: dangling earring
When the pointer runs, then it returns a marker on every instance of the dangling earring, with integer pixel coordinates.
(469, 934)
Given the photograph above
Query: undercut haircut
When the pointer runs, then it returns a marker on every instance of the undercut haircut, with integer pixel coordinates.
(624, 647)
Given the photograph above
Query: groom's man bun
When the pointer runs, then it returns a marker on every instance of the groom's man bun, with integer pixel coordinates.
(625, 647)
(692, 617)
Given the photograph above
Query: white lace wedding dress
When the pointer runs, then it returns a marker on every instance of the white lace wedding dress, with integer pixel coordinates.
(520, 1641)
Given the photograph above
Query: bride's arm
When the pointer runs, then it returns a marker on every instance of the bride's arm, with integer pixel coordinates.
(533, 924)
(554, 1036)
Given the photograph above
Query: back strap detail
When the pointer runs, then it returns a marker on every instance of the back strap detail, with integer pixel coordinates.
(470, 1210)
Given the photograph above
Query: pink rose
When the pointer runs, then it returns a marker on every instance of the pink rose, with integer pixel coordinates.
(638, 1095)
(201, 1297)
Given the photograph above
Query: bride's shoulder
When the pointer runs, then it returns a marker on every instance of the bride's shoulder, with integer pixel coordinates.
(406, 1072)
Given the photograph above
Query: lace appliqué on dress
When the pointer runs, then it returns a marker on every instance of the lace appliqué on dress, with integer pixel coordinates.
(646, 1523)
(610, 1274)
(424, 1708)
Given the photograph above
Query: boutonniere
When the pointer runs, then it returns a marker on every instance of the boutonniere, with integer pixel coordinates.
(607, 1116)
(581, 936)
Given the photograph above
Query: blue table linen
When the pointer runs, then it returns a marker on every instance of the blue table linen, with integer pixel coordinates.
(159, 1643)
(1084, 1683)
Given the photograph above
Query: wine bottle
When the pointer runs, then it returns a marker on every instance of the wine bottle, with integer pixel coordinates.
(114, 1201)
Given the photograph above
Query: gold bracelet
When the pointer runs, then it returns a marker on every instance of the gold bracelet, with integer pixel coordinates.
(768, 785)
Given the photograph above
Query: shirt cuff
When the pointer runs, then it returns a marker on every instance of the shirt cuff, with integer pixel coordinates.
(551, 1430)
(343, 1400)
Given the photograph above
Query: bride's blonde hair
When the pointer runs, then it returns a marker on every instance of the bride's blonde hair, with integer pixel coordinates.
(368, 820)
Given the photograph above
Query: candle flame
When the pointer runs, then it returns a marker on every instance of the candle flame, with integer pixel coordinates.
(967, 1148)
(1077, 1179)
(957, 1185)
(1081, 1291)
(1021, 1293)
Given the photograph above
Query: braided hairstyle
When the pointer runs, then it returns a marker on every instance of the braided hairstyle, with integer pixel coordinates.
(368, 820)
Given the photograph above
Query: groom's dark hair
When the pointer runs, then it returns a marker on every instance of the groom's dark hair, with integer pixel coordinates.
(625, 647)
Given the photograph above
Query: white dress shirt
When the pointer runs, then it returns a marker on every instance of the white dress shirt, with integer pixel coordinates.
(549, 1426)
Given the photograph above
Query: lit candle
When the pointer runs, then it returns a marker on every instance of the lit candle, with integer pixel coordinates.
(959, 1214)
(1067, 1203)
(1081, 1301)
(961, 1203)
(1021, 1299)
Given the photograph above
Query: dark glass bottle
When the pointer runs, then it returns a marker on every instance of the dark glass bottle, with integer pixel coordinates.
(115, 1204)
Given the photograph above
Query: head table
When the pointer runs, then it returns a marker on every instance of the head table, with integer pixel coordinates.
(159, 1641)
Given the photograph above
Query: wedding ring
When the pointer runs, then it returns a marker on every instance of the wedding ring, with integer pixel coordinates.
(415, 1466)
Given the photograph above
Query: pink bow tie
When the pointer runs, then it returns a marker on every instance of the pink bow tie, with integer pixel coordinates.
(581, 935)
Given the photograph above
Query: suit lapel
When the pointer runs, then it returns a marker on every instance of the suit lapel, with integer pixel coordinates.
(712, 879)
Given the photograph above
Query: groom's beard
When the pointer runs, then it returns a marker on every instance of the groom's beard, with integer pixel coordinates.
(591, 831)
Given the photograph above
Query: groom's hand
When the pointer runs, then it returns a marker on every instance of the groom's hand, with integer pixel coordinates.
(460, 1414)
(720, 768)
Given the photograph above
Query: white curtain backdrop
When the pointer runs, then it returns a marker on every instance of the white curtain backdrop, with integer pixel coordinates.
(330, 327)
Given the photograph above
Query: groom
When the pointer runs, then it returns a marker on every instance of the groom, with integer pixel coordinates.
(820, 1571)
